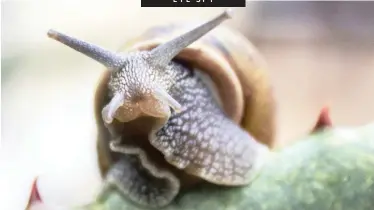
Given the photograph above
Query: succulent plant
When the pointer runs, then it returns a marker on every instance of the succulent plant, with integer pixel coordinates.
(331, 168)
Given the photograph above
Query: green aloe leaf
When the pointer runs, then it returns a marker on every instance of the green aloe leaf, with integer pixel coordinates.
(327, 170)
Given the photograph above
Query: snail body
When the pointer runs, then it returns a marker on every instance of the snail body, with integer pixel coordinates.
(164, 126)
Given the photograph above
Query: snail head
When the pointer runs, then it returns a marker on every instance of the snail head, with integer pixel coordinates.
(137, 83)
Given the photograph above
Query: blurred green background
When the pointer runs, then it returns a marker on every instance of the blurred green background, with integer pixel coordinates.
(318, 53)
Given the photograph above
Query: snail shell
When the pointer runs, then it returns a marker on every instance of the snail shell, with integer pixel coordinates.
(156, 75)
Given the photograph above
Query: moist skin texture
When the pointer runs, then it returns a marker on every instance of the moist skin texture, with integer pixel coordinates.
(200, 142)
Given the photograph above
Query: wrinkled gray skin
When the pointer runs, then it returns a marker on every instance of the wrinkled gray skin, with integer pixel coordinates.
(195, 135)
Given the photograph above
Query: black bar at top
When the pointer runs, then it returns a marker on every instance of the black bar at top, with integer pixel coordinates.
(193, 3)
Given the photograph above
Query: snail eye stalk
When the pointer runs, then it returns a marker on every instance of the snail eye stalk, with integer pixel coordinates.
(163, 54)
(109, 59)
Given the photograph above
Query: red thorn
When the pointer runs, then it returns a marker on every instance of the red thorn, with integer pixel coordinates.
(324, 120)
(34, 195)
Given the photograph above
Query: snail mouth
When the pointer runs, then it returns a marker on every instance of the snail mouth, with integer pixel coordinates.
(130, 111)
(157, 105)
(145, 108)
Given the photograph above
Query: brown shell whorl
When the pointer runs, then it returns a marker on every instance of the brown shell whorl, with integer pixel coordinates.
(103, 136)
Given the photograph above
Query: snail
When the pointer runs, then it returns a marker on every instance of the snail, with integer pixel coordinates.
(178, 106)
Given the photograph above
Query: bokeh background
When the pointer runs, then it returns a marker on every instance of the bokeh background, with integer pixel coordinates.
(319, 53)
